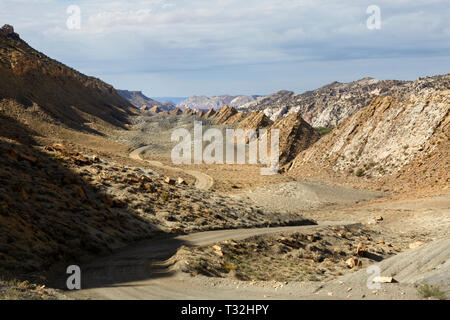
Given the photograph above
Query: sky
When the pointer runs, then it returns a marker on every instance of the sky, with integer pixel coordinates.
(180, 48)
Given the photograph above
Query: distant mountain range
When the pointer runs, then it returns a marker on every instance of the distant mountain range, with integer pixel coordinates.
(139, 100)
(332, 103)
(215, 102)
(328, 105)
(172, 100)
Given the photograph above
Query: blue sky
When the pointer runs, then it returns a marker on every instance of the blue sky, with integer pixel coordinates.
(214, 47)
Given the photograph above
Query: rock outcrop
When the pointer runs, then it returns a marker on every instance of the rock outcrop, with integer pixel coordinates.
(176, 112)
(235, 119)
(255, 120)
(188, 111)
(8, 31)
(295, 135)
(154, 109)
(223, 115)
(209, 114)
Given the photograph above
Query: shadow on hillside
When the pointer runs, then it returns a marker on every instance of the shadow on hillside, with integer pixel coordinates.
(143, 261)
(50, 217)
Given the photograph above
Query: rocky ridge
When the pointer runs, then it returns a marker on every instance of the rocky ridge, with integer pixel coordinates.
(255, 120)
(295, 135)
(36, 86)
(408, 138)
(329, 105)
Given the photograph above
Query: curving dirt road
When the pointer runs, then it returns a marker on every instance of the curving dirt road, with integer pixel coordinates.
(203, 181)
(142, 272)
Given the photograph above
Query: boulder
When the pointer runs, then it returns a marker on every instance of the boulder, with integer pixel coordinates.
(169, 181)
(352, 263)
(361, 249)
(8, 30)
(218, 250)
(383, 280)
(416, 244)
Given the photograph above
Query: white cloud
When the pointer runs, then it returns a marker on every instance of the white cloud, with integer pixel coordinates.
(139, 35)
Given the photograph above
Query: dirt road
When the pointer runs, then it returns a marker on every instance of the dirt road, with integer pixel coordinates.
(142, 272)
(203, 181)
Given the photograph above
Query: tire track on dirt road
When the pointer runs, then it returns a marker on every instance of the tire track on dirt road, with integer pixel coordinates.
(202, 181)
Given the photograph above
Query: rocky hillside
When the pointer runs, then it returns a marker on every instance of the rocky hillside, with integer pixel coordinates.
(209, 114)
(176, 112)
(216, 102)
(139, 100)
(33, 85)
(223, 114)
(407, 138)
(255, 120)
(188, 111)
(329, 105)
(235, 119)
(295, 134)
(241, 100)
(58, 204)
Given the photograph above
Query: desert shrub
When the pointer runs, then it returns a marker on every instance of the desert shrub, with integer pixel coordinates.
(427, 291)
(323, 131)
(230, 267)
(360, 172)
(165, 197)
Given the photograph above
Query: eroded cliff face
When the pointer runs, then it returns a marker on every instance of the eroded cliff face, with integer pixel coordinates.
(32, 82)
(388, 137)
